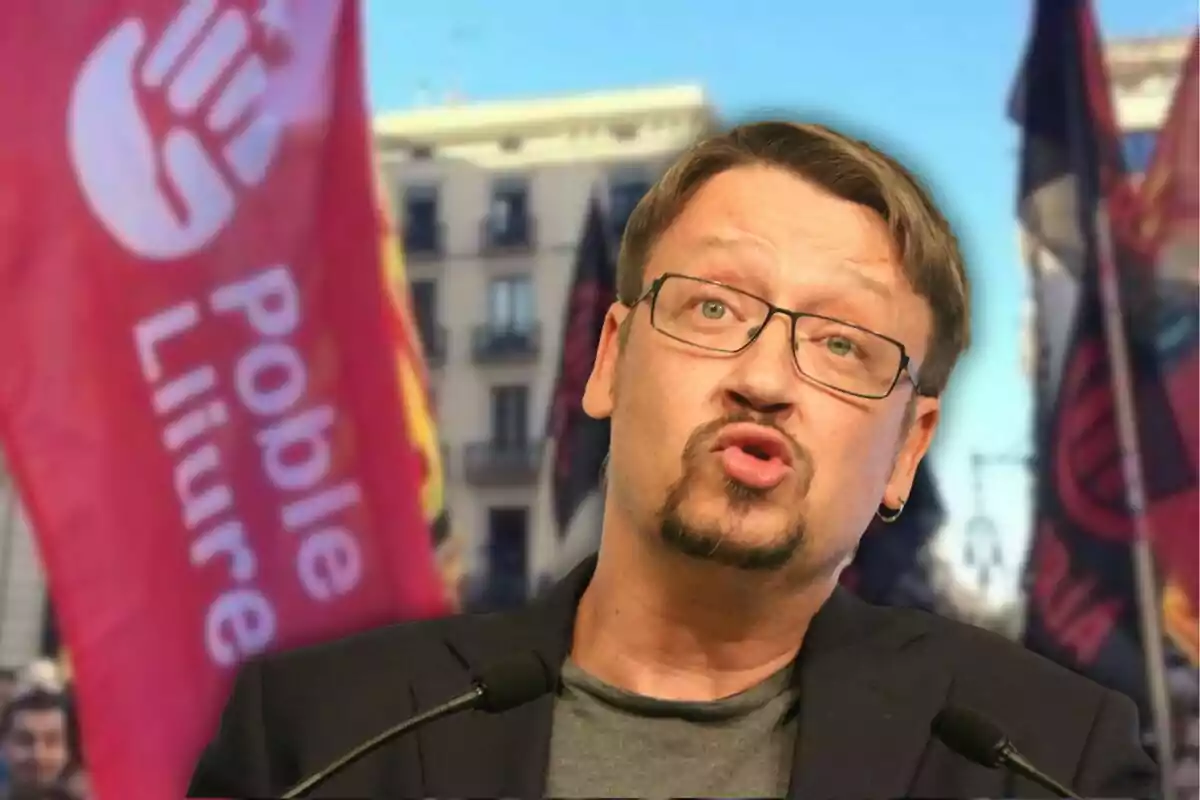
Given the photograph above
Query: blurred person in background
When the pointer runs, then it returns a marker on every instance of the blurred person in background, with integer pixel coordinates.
(52, 792)
(75, 783)
(75, 779)
(8, 686)
(43, 674)
(35, 741)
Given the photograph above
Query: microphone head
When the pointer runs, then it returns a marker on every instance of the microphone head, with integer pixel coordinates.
(970, 734)
(515, 681)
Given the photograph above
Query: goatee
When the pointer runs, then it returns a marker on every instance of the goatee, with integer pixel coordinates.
(711, 542)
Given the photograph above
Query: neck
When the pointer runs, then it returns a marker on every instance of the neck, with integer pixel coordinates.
(661, 624)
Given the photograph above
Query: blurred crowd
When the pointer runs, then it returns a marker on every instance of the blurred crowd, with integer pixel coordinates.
(41, 757)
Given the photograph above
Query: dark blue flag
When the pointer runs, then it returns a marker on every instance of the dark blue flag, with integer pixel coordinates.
(580, 443)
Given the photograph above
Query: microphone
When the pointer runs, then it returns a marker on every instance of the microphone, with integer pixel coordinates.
(500, 687)
(976, 738)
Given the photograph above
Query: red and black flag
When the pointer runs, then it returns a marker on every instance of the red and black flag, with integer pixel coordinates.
(1074, 197)
(580, 443)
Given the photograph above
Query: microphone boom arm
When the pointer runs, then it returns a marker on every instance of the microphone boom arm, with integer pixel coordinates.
(463, 701)
(1020, 765)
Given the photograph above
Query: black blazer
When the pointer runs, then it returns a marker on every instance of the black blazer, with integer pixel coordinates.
(871, 680)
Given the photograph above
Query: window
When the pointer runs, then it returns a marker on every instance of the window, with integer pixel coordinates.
(424, 299)
(1139, 149)
(624, 192)
(421, 224)
(510, 417)
(508, 558)
(624, 132)
(511, 303)
(508, 219)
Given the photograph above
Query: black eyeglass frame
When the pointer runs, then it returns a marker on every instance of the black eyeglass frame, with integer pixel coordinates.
(904, 368)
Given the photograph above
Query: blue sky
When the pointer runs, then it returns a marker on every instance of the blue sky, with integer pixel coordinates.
(927, 80)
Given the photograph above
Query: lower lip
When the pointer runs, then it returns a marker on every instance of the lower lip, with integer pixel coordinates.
(752, 471)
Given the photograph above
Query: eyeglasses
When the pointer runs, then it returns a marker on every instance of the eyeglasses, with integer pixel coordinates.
(837, 354)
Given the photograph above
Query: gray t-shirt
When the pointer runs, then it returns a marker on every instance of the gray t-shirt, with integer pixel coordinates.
(607, 742)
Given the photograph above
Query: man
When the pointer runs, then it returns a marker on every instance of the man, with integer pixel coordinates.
(8, 686)
(34, 741)
(791, 307)
(75, 782)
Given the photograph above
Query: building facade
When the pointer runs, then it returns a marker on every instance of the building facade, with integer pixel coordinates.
(22, 585)
(1144, 74)
(491, 200)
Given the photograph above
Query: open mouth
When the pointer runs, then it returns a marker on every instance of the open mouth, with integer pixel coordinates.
(758, 451)
(753, 455)
(756, 441)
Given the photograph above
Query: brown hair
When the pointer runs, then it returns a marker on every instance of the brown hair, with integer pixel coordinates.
(35, 699)
(848, 168)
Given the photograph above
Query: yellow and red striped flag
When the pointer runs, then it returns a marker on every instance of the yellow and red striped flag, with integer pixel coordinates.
(420, 415)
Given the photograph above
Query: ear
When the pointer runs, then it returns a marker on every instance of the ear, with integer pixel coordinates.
(599, 396)
(913, 448)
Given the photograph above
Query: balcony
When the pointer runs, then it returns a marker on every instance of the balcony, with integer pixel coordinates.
(496, 463)
(506, 343)
(433, 343)
(424, 242)
(514, 236)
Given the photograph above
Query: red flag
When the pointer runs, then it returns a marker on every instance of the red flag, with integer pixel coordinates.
(1170, 220)
(198, 392)
(1169, 189)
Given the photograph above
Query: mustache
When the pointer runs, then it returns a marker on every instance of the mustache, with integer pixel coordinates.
(700, 441)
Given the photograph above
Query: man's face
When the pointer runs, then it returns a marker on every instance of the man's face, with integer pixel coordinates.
(35, 747)
(685, 421)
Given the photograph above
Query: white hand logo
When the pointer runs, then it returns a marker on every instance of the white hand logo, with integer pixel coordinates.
(166, 193)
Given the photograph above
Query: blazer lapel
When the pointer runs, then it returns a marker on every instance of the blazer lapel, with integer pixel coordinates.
(476, 754)
(867, 697)
(868, 692)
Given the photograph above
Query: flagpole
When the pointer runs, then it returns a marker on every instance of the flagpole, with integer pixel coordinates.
(1145, 574)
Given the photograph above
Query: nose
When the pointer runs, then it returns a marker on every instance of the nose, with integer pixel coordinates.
(763, 378)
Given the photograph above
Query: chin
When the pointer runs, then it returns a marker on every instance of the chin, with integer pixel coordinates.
(757, 535)
(763, 542)
(747, 508)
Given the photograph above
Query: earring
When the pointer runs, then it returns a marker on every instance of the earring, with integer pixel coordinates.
(891, 516)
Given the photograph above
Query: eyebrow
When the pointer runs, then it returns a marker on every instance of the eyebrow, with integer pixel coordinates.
(873, 285)
(714, 242)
